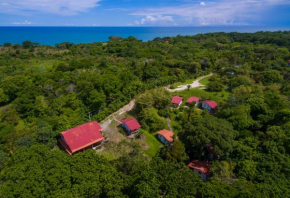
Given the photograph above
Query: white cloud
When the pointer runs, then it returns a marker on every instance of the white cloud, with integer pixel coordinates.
(156, 19)
(153, 20)
(222, 12)
(59, 7)
(23, 23)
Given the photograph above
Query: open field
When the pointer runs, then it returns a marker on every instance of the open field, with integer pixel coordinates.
(153, 144)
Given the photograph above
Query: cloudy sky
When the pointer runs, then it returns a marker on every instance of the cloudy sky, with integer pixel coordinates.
(145, 13)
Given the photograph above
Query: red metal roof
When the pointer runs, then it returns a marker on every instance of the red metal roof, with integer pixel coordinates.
(82, 136)
(131, 123)
(192, 99)
(176, 100)
(211, 103)
(166, 134)
(65, 146)
(204, 167)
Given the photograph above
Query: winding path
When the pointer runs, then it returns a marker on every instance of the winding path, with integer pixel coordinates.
(106, 122)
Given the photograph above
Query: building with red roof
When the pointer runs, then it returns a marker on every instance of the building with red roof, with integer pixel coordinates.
(176, 101)
(81, 137)
(131, 125)
(210, 105)
(200, 167)
(165, 136)
(193, 99)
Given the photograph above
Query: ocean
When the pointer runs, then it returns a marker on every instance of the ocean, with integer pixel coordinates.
(54, 35)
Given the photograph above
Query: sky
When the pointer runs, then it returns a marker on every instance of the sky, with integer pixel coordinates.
(188, 13)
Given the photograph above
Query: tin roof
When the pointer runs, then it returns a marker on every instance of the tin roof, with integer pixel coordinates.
(82, 136)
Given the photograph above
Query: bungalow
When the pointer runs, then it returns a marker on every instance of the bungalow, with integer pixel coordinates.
(192, 99)
(200, 167)
(165, 136)
(81, 137)
(210, 105)
(176, 101)
(130, 125)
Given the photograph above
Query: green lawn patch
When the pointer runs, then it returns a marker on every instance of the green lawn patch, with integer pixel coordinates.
(205, 81)
(153, 144)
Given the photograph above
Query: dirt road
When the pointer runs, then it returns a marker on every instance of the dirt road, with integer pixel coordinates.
(106, 122)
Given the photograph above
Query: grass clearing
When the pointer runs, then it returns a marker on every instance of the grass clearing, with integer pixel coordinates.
(153, 144)
(205, 81)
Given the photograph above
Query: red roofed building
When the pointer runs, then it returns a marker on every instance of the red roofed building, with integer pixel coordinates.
(81, 137)
(165, 136)
(131, 125)
(200, 167)
(193, 99)
(176, 100)
(210, 105)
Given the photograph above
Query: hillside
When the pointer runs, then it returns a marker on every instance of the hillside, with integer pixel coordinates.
(45, 90)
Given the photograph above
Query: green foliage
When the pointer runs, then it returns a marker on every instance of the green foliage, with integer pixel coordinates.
(174, 152)
(151, 120)
(157, 98)
(215, 85)
(199, 132)
(3, 158)
(162, 178)
(269, 77)
(239, 116)
(47, 173)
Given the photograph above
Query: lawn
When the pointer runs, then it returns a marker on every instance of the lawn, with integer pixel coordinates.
(205, 81)
(153, 143)
(207, 95)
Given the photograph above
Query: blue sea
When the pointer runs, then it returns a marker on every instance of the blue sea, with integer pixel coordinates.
(54, 35)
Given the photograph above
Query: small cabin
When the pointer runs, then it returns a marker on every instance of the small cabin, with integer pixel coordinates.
(130, 125)
(192, 99)
(201, 168)
(176, 101)
(81, 137)
(165, 136)
(210, 105)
